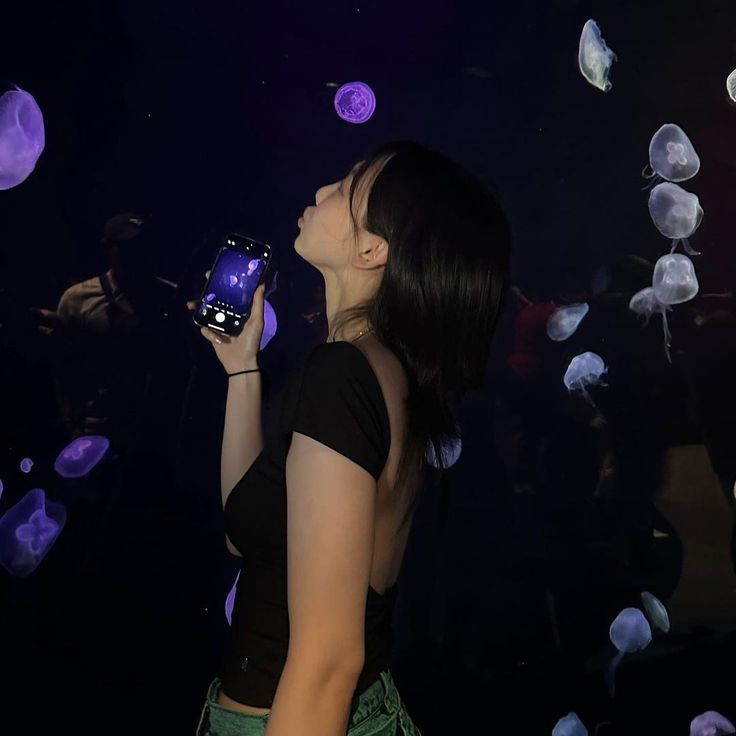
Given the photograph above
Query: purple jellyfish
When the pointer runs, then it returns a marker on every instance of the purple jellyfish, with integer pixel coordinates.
(230, 601)
(629, 632)
(711, 723)
(645, 304)
(585, 370)
(26, 465)
(22, 136)
(27, 531)
(81, 455)
(210, 297)
(355, 102)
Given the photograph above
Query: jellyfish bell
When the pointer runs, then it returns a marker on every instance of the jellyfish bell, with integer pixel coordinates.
(731, 85)
(570, 725)
(28, 530)
(656, 611)
(676, 213)
(711, 723)
(672, 155)
(22, 136)
(674, 280)
(629, 632)
(645, 304)
(585, 369)
(355, 102)
(81, 455)
(564, 321)
(594, 57)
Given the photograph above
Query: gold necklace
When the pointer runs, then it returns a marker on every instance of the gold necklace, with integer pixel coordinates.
(361, 333)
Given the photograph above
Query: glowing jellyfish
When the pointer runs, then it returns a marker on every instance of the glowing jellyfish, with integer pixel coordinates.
(2, 488)
(570, 725)
(209, 298)
(450, 450)
(27, 531)
(230, 601)
(656, 611)
(629, 632)
(564, 321)
(674, 280)
(671, 155)
(270, 324)
(594, 57)
(22, 136)
(731, 85)
(676, 213)
(585, 370)
(232, 279)
(355, 102)
(253, 265)
(26, 465)
(81, 455)
(711, 723)
(645, 304)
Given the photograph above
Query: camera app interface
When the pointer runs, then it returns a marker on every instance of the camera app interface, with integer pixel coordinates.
(231, 286)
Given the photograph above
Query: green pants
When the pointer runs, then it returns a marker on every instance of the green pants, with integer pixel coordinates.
(379, 711)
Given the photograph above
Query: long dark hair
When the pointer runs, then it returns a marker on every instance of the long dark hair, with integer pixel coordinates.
(443, 288)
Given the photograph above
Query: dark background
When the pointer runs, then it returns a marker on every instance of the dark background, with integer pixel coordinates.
(216, 116)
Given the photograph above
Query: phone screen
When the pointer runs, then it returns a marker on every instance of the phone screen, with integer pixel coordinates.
(236, 274)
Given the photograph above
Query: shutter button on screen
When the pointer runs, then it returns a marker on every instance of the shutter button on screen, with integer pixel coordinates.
(220, 317)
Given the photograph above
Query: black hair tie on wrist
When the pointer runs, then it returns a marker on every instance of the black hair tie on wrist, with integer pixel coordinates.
(253, 370)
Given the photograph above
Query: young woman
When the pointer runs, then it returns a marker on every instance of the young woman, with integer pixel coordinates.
(415, 254)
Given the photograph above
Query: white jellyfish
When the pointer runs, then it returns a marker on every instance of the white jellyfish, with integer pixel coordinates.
(674, 280)
(656, 611)
(672, 156)
(731, 85)
(565, 320)
(629, 632)
(570, 725)
(585, 370)
(645, 304)
(594, 57)
(676, 213)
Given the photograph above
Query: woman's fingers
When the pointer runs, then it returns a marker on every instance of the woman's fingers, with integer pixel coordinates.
(210, 336)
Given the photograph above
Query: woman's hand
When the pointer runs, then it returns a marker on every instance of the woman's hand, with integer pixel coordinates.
(240, 353)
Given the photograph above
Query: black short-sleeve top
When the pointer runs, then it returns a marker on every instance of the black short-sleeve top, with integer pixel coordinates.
(334, 397)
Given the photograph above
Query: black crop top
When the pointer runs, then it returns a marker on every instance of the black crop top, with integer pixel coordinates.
(333, 396)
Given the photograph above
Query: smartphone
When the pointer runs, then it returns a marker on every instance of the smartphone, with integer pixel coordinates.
(237, 272)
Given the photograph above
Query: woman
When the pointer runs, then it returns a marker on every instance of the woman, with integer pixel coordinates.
(415, 254)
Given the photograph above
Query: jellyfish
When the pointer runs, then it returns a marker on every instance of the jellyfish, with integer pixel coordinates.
(675, 213)
(731, 85)
(674, 280)
(645, 303)
(27, 531)
(585, 370)
(230, 601)
(711, 723)
(656, 611)
(564, 321)
(570, 725)
(270, 323)
(671, 155)
(233, 280)
(355, 102)
(2, 487)
(81, 455)
(22, 136)
(629, 632)
(210, 297)
(26, 464)
(450, 450)
(594, 57)
(253, 265)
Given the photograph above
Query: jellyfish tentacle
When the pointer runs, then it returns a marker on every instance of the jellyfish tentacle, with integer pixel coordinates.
(667, 335)
(688, 248)
(611, 673)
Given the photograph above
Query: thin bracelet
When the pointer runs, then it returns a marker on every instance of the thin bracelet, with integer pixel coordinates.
(253, 370)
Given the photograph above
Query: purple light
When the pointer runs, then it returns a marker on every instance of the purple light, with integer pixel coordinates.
(270, 323)
(355, 102)
(209, 297)
(711, 723)
(629, 632)
(2, 488)
(81, 455)
(230, 601)
(26, 464)
(22, 137)
(27, 531)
